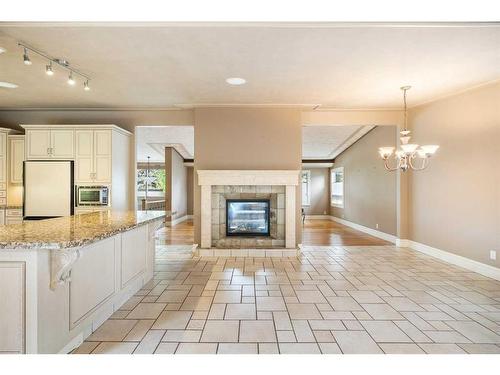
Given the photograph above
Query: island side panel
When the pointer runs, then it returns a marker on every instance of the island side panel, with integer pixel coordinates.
(105, 276)
(12, 297)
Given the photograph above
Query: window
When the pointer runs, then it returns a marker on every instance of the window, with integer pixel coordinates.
(306, 188)
(337, 187)
(157, 179)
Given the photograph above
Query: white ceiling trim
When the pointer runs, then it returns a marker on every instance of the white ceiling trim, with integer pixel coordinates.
(350, 141)
(179, 147)
(329, 25)
(316, 165)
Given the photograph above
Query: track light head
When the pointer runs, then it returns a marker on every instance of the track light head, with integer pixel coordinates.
(48, 69)
(26, 58)
(71, 80)
(86, 86)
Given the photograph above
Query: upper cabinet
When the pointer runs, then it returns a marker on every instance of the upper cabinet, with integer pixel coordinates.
(93, 156)
(3, 160)
(16, 158)
(50, 144)
(101, 152)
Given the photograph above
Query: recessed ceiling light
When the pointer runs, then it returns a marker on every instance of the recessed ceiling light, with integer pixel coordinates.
(236, 81)
(2, 50)
(8, 85)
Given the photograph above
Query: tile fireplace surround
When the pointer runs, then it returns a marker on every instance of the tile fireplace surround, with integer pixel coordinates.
(279, 186)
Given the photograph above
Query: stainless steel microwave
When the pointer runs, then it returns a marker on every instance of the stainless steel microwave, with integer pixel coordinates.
(92, 196)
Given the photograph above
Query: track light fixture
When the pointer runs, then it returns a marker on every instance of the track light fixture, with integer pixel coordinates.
(26, 58)
(48, 69)
(62, 63)
(71, 80)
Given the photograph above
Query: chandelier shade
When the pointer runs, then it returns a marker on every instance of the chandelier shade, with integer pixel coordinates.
(410, 155)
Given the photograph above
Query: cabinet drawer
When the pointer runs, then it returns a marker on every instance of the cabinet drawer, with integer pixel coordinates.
(13, 220)
(3, 201)
(2, 186)
(3, 194)
(17, 212)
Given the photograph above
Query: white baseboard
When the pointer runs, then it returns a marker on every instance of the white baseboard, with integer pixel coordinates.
(178, 220)
(370, 231)
(402, 243)
(457, 260)
(73, 344)
(318, 217)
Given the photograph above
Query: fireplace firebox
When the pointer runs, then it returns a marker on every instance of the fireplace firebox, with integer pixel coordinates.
(247, 217)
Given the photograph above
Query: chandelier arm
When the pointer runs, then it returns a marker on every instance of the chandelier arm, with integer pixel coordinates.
(387, 167)
(425, 163)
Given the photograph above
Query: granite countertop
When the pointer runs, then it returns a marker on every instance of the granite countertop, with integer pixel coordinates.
(73, 231)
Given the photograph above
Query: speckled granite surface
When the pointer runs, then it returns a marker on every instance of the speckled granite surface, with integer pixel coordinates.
(73, 231)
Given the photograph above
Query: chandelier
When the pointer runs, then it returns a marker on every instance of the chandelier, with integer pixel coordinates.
(410, 156)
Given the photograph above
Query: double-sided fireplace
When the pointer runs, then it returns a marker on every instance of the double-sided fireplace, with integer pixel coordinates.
(247, 217)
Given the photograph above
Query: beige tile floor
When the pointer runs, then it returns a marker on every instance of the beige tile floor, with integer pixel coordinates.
(330, 300)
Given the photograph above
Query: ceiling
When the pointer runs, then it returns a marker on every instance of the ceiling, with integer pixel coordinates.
(163, 66)
(318, 142)
(326, 142)
(152, 140)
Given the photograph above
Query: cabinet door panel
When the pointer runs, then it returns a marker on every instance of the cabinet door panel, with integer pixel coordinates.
(12, 311)
(92, 278)
(134, 253)
(16, 160)
(3, 157)
(63, 144)
(38, 144)
(102, 156)
(84, 155)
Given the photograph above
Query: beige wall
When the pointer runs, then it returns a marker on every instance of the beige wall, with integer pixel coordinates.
(176, 176)
(237, 138)
(320, 192)
(455, 203)
(369, 190)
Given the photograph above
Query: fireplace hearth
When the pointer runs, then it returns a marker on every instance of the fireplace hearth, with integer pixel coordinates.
(247, 217)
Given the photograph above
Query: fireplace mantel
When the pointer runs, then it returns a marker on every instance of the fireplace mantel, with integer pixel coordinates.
(209, 178)
(248, 177)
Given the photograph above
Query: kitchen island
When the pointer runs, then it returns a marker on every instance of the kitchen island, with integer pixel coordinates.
(60, 279)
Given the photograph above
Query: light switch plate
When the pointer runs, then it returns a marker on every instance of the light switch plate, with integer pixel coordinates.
(493, 255)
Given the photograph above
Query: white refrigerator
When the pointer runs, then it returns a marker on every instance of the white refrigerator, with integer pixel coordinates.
(48, 189)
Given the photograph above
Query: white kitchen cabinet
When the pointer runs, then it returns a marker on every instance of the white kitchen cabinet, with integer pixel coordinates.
(12, 295)
(13, 216)
(84, 164)
(16, 146)
(92, 279)
(50, 144)
(93, 156)
(38, 144)
(3, 158)
(62, 144)
(102, 156)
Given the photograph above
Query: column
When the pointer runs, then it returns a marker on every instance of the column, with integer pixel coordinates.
(290, 215)
(206, 216)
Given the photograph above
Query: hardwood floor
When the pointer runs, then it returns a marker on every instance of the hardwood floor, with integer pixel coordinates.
(315, 232)
(326, 232)
(180, 234)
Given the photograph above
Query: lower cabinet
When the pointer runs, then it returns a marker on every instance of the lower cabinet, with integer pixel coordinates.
(134, 248)
(12, 297)
(92, 279)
